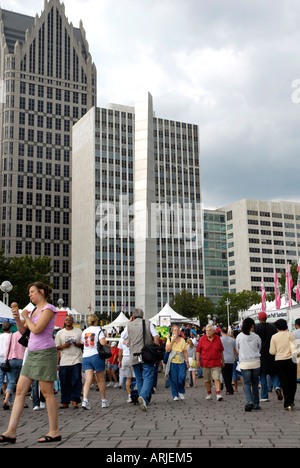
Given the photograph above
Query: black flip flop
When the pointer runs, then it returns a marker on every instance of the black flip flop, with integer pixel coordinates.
(7, 440)
(49, 440)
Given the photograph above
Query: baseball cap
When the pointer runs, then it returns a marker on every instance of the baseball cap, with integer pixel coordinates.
(262, 316)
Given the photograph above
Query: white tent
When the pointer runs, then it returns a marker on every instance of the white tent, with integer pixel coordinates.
(167, 311)
(6, 314)
(271, 305)
(121, 321)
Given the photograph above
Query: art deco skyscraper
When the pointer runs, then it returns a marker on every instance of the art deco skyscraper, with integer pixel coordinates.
(48, 83)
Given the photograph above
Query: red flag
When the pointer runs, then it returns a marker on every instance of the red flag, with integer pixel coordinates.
(288, 287)
(277, 292)
(263, 298)
(298, 283)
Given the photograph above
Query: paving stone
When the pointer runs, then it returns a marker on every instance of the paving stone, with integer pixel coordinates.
(188, 424)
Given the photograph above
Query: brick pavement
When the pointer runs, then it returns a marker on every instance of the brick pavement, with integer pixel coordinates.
(188, 424)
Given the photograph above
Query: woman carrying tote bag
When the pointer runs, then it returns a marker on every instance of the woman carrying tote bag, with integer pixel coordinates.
(281, 348)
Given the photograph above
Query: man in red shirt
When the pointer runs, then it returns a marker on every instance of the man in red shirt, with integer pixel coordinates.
(210, 351)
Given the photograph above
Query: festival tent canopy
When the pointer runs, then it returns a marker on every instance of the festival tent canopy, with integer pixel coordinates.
(167, 311)
(6, 314)
(121, 321)
(271, 305)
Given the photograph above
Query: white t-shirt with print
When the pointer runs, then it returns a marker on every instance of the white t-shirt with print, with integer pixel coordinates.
(90, 338)
(72, 355)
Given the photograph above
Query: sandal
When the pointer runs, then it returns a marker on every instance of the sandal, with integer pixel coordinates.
(7, 440)
(48, 439)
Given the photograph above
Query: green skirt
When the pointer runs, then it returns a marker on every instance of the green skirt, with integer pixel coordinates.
(41, 365)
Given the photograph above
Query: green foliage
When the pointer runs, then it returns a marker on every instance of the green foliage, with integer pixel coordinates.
(190, 305)
(282, 279)
(22, 271)
(238, 301)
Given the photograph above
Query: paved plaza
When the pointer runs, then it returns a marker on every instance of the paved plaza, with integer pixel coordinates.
(189, 424)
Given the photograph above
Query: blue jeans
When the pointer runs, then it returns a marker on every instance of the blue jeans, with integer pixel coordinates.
(251, 381)
(144, 374)
(71, 383)
(16, 366)
(177, 378)
(264, 384)
(37, 396)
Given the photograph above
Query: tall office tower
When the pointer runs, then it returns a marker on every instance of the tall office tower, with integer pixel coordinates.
(178, 195)
(215, 254)
(262, 237)
(48, 84)
(136, 232)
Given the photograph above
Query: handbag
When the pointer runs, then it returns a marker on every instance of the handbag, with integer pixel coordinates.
(295, 350)
(166, 358)
(152, 353)
(25, 337)
(5, 366)
(104, 352)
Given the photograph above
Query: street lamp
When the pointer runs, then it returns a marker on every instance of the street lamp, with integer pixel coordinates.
(60, 303)
(228, 319)
(295, 291)
(6, 287)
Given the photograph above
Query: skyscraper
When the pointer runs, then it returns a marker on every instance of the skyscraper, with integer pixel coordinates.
(48, 83)
(136, 204)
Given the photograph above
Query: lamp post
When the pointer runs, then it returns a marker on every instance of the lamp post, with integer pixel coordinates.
(228, 318)
(6, 287)
(60, 303)
(295, 291)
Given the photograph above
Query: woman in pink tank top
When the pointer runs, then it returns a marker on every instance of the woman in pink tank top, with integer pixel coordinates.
(40, 364)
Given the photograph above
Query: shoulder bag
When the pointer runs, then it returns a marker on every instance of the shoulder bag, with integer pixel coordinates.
(104, 352)
(25, 337)
(295, 350)
(5, 366)
(152, 353)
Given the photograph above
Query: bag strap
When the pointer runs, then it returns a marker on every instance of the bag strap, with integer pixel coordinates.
(11, 337)
(144, 332)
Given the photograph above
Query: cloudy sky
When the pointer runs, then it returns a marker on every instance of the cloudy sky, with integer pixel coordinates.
(230, 66)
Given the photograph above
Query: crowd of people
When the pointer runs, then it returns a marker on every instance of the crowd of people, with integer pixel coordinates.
(261, 355)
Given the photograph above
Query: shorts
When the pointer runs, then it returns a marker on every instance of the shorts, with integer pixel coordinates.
(127, 368)
(113, 367)
(211, 373)
(94, 362)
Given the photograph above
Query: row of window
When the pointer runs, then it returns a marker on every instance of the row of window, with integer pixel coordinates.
(29, 231)
(40, 136)
(274, 224)
(264, 232)
(267, 214)
(57, 94)
(46, 249)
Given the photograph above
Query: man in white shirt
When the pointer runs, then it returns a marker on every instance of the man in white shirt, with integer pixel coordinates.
(69, 346)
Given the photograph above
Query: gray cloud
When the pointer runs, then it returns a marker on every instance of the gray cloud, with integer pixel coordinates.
(225, 65)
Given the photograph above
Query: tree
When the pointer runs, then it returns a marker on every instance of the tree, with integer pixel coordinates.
(22, 271)
(189, 305)
(238, 301)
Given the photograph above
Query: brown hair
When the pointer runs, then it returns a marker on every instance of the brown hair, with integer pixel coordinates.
(41, 287)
